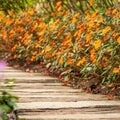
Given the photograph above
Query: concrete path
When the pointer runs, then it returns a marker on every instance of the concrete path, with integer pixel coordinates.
(44, 98)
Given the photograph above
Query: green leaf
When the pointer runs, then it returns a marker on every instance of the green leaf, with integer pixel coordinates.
(4, 116)
(10, 80)
(5, 108)
(66, 64)
(103, 10)
(78, 4)
(12, 104)
(103, 80)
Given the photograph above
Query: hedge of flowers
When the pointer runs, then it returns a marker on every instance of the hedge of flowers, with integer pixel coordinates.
(81, 47)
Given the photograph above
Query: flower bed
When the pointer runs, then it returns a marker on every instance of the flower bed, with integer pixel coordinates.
(81, 47)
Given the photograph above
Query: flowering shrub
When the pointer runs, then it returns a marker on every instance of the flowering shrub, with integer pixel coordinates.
(81, 47)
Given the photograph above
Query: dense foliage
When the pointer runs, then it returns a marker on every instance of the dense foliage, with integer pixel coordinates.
(77, 5)
(78, 46)
(16, 5)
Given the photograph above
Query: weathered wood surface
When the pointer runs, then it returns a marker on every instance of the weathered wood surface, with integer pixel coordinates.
(43, 98)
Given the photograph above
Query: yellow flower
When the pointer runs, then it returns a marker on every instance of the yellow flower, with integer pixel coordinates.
(91, 24)
(92, 2)
(54, 53)
(74, 20)
(115, 70)
(34, 53)
(114, 11)
(88, 38)
(118, 40)
(115, 34)
(107, 29)
(97, 44)
(87, 17)
(81, 61)
(47, 48)
(100, 20)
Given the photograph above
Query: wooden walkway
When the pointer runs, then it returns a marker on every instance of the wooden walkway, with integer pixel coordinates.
(44, 98)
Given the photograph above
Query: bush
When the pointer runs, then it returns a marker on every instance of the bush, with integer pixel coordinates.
(81, 46)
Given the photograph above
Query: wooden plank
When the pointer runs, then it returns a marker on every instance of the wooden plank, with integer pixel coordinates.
(114, 116)
(56, 105)
(43, 97)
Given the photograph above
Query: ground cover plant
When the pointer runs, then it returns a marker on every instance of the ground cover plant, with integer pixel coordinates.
(7, 103)
(80, 47)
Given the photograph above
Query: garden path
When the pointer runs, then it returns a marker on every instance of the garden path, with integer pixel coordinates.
(44, 97)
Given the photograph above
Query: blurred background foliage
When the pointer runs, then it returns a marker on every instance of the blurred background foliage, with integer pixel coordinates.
(16, 5)
(78, 5)
(49, 5)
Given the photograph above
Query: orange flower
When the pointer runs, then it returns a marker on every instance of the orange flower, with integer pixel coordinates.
(11, 12)
(48, 56)
(92, 51)
(115, 70)
(9, 22)
(105, 38)
(118, 40)
(15, 56)
(92, 2)
(66, 41)
(110, 96)
(60, 60)
(82, 27)
(41, 39)
(93, 57)
(69, 61)
(81, 61)
(32, 58)
(107, 11)
(59, 33)
(97, 44)
(58, 4)
(53, 14)
(114, 11)
(4, 33)
(41, 53)
(105, 65)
